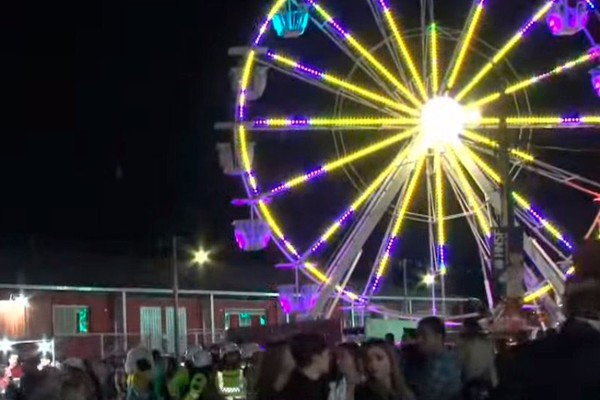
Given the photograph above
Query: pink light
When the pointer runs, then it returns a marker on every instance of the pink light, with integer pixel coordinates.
(555, 23)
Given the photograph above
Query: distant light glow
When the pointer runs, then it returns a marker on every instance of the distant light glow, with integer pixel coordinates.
(442, 119)
(429, 279)
(201, 256)
(5, 345)
(21, 300)
(45, 346)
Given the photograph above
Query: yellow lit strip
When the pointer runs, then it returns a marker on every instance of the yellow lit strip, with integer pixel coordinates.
(321, 277)
(352, 157)
(369, 150)
(391, 21)
(537, 294)
(484, 166)
(340, 122)
(553, 230)
(494, 144)
(465, 45)
(435, 68)
(531, 81)
(408, 196)
(469, 193)
(486, 100)
(358, 202)
(502, 52)
(275, 9)
(439, 196)
(522, 155)
(349, 86)
(372, 60)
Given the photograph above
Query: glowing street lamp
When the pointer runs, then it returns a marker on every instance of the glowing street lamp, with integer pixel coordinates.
(429, 279)
(201, 257)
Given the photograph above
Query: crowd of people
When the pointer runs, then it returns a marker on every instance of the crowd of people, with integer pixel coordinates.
(562, 365)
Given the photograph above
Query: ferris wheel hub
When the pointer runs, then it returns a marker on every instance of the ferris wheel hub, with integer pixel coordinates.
(442, 120)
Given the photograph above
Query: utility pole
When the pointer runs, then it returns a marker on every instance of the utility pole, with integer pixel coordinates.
(175, 300)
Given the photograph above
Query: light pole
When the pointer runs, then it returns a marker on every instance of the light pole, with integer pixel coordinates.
(175, 301)
(200, 257)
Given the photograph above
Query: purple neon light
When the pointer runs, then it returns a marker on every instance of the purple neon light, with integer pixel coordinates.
(307, 177)
(340, 222)
(591, 4)
(529, 24)
(313, 72)
(332, 22)
(442, 256)
(391, 245)
(570, 120)
(263, 122)
(384, 6)
(544, 221)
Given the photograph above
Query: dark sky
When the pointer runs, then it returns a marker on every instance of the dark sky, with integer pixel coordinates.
(109, 108)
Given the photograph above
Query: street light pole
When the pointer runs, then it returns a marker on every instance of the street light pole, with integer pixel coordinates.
(175, 301)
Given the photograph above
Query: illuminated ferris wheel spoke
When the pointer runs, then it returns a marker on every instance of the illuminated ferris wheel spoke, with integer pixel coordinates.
(547, 225)
(516, 38)
(393, 51)
(558, 175)
(465, 43)
(384, 259)
(311, 124)
(331, 89)
(340, 162)
(402, 47)
(522, 202)
(541, 122)
(586, 58)
(481, 139)
(339, 83)
(434, 53)
(357, 46)
(357, 203)
(439, 208)
(469, 193)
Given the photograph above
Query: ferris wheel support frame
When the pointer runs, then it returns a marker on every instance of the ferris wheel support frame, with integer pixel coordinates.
(360, 231)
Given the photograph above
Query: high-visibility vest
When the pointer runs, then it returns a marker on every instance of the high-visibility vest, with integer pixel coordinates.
(231, 383)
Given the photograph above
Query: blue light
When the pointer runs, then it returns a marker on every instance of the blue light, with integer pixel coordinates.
(292, 22)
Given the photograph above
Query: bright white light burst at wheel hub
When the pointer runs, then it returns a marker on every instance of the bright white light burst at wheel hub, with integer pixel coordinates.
(442, 120)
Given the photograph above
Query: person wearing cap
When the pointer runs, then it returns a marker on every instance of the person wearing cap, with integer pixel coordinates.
(565, 365)
(194, 380)
(139, 367)
(231, 382)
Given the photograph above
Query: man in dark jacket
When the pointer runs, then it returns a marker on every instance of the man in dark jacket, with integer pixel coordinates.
(565, 365)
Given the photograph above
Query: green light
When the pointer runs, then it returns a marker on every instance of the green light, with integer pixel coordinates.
(263, 320)
(83, 320)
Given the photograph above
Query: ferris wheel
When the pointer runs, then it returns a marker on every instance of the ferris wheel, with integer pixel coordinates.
(430, 125)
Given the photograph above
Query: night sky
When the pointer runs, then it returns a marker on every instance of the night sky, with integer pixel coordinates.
(108, 122)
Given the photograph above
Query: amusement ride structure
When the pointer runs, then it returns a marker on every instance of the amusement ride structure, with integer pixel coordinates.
(431, 124)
